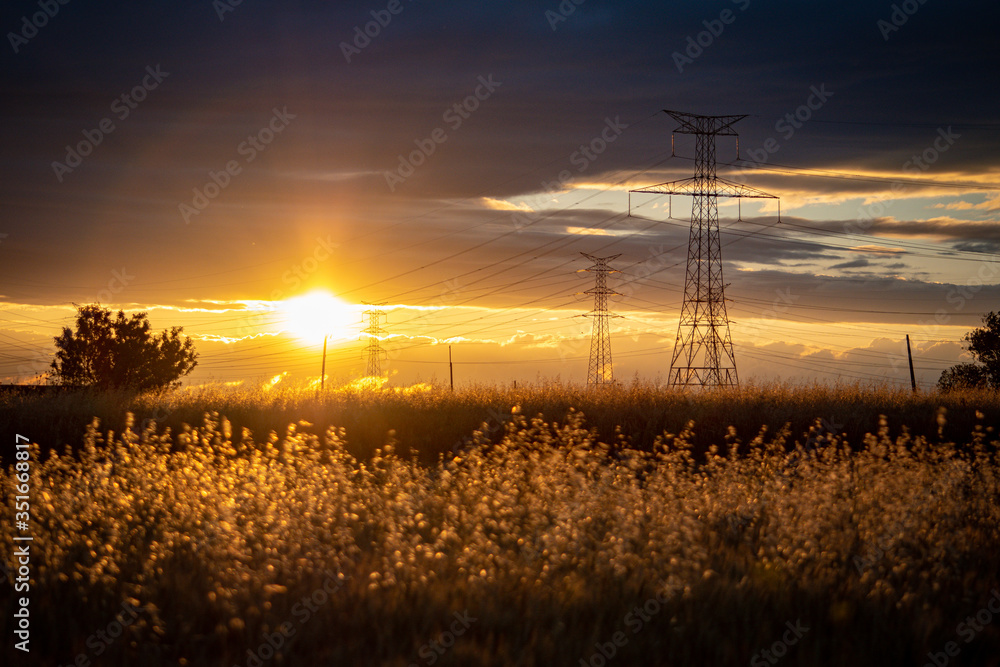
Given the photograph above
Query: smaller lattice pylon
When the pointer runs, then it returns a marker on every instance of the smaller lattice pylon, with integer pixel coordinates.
(374, 354)
(601, 370)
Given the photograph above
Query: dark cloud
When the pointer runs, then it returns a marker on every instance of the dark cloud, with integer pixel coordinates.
(853, 264)
(557, 85)
(985, 247)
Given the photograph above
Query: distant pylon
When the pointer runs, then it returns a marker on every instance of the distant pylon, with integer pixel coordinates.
(703, 350)
(601, 371)
(375, 333)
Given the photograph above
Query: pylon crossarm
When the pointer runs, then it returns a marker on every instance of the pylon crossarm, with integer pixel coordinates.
(600, 259)
(695, 187)
(695, 124)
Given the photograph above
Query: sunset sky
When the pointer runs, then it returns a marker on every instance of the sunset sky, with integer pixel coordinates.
(207, 162)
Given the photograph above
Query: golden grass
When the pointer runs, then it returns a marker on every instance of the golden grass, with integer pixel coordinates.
(547, 533)
(432, 420)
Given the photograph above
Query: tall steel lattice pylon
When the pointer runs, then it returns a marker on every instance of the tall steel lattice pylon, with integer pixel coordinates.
(373, 351)
(601, 371)
(703, 350)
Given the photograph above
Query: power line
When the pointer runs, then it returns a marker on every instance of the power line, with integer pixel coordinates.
(971, 126)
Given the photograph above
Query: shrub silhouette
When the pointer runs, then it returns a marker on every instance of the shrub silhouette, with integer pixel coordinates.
(108, 352)
(984, 346)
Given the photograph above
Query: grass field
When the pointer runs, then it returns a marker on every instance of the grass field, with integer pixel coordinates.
(555, 540)
(434, 421)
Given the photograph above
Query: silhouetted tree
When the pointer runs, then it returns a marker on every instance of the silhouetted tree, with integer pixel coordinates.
(109, 352)
(984, 345)
(964, 376)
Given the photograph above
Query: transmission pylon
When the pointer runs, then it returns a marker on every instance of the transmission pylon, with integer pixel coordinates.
(703, 350)
(601, 371)
(373, 351)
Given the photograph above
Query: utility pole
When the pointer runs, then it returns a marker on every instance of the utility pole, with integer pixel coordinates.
(451, 371)
(322, 373)
(374, 332)
(909, 355)
(703, 350)
(601, 371)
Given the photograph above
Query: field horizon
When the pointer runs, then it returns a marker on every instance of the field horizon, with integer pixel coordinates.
(435, 421)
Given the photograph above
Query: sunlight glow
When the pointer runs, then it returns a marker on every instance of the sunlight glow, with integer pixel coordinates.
(312, 316)
(273, 382)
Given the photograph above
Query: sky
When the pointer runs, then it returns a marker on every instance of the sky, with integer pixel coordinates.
(212, 162)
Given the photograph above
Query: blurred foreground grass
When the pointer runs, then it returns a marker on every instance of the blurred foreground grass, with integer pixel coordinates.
(533, 543)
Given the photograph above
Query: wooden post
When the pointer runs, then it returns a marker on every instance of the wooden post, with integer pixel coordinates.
(322, 373)
(909, 355)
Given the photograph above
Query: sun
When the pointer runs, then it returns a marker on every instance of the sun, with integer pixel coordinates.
(318, 314)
